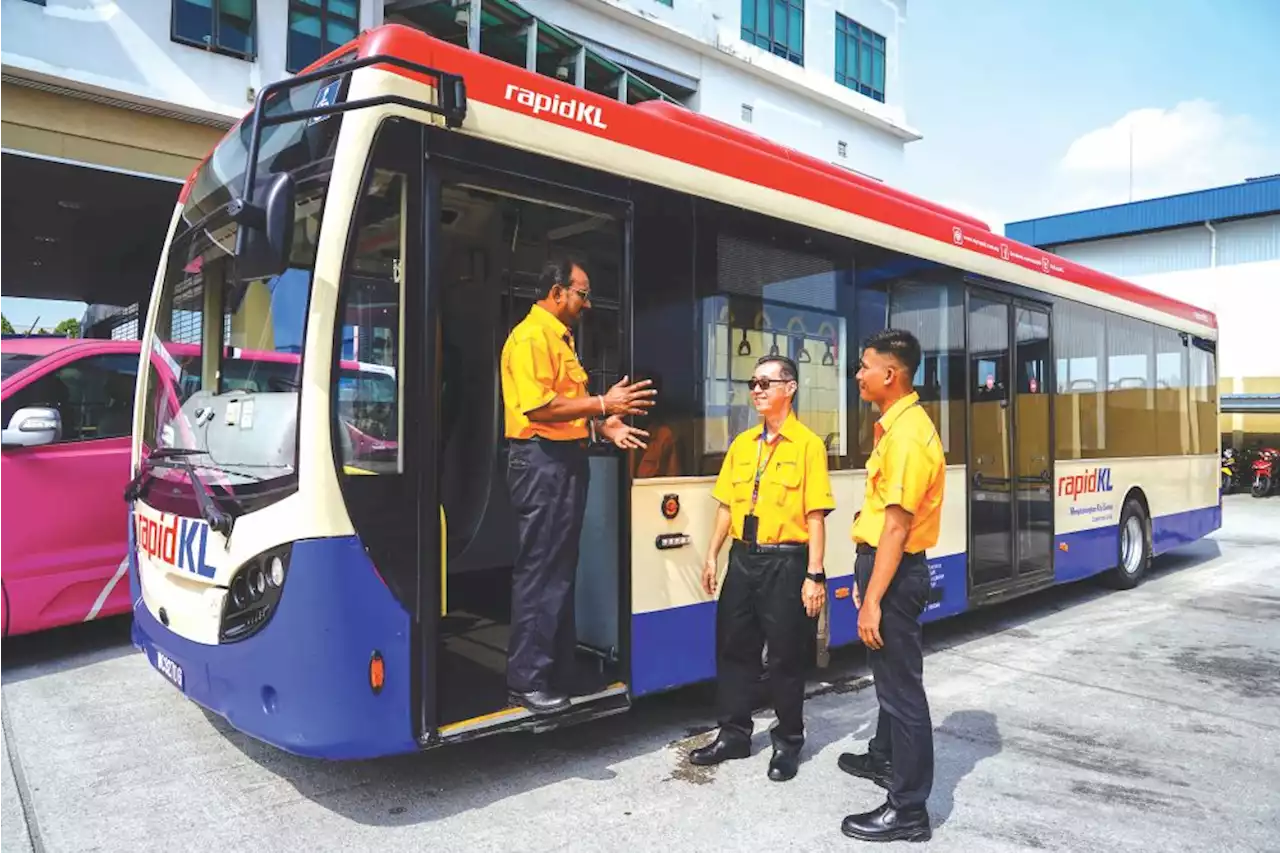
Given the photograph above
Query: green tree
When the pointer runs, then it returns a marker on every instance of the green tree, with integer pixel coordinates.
(68, 328)
(5, 326)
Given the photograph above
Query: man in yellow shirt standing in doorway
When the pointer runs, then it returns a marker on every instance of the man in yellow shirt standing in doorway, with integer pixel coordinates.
(900, 518)
(549, 417)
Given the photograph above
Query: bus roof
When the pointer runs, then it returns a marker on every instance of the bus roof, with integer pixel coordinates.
(764, 172)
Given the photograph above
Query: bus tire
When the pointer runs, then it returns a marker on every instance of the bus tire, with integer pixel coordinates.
(1135, 547)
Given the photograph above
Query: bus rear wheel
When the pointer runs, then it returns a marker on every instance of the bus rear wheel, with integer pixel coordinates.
(1135, 547)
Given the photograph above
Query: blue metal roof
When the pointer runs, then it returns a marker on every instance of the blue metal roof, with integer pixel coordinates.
(1254, 197)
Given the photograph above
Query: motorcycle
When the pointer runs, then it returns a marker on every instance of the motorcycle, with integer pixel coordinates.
(1230, 470)
(1265, 465)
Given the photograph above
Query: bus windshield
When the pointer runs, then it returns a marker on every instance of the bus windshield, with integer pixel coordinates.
(230, 352)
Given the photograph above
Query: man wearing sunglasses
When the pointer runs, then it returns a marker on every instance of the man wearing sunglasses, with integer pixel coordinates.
(549, 417)
(774, 493)
(900, 517)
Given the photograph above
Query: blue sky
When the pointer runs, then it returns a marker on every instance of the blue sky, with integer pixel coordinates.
(1026, 106)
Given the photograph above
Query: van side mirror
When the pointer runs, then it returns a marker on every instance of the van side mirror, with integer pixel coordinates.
(264, 240)
(33, 426)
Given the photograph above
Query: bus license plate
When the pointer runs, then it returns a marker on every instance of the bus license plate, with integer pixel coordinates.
(170, 669)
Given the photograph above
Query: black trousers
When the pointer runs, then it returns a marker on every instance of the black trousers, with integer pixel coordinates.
(904, 732)
(760, 600)
(548, 482)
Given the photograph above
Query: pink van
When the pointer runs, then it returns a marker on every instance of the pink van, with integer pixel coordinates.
(67, 418)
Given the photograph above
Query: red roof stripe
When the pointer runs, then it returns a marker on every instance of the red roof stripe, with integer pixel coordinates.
(677, 134)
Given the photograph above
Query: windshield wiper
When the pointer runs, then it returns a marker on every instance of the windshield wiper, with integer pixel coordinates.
(218, 520)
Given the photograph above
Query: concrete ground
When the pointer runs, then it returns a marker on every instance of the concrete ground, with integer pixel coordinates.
(1079, 719)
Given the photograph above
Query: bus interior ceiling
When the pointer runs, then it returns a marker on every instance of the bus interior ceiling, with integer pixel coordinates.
(494, 245)
(81, 233)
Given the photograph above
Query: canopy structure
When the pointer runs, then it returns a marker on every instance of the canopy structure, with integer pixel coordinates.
(1249, 404)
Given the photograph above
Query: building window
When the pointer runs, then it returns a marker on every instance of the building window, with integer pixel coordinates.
(776, 26)
(859, 58)
(667, 2)
(317, 27)
(224, 26)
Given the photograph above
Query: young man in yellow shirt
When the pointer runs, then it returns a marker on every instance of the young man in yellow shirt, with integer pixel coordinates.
(548, 417)
(900, 519)
(774, 494)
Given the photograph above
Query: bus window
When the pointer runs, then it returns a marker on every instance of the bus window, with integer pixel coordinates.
(366, 399)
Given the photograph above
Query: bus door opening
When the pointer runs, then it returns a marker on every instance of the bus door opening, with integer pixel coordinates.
(492, 245)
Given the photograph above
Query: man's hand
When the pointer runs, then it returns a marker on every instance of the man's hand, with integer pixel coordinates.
(869, 624)
(623, 435)
(709, 576)
(629, 398)
(814, 595)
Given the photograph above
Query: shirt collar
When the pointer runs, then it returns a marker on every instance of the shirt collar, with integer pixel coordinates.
(544, 317)
(789, 425)
(895, 411)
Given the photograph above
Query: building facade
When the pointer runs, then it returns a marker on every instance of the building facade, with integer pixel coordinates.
(1217, 248)
(107, 107)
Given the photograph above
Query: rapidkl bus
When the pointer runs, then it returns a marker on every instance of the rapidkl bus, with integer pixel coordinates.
(396, 201)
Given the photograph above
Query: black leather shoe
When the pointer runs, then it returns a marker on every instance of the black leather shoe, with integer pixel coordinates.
(541, 701)
(720, 750)
(888, 824)
(784, 764)
(866, 767)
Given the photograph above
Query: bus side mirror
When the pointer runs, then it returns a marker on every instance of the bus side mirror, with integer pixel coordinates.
(33, 426)
(264, 240)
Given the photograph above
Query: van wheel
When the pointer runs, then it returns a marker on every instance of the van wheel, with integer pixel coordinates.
(1135, 547)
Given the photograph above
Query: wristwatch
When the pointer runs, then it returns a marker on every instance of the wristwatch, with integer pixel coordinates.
(816, 577)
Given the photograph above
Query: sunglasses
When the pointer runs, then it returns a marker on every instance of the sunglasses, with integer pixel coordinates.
(764, 383)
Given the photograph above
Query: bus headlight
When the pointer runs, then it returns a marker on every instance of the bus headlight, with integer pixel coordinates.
(253, 594)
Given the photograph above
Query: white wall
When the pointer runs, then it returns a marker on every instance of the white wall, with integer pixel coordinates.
(801, 107)
(1242, 296)
(123, 48)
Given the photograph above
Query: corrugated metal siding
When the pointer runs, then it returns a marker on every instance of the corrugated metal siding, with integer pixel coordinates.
(1241, 242)
(1249, 241)
(1254, 198)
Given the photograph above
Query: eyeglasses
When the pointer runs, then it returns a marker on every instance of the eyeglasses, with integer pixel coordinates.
(585, 294)
(764, 383)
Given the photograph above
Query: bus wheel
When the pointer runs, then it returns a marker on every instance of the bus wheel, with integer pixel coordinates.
(1135, 547)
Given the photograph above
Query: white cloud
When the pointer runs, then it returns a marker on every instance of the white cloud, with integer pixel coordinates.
(1154, 152)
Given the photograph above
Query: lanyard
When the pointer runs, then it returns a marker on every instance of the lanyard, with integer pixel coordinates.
(760, 469)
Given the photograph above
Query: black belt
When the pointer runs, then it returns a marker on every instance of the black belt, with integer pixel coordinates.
(864, 548)
(558, 442)
(775, 547)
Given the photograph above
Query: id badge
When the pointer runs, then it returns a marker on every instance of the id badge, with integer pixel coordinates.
(750, 525)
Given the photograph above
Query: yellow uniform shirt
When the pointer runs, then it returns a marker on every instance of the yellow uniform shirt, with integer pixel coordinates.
(907, 469)
(794, 482)
(538, 364)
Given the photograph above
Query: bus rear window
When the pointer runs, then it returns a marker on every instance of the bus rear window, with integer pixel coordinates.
(12, 362)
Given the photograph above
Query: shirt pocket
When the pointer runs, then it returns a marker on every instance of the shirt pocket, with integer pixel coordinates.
(743, 477)
(575, 372)
(875, 471)
(787, 476)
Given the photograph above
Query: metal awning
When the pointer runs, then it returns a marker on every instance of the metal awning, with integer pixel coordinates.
(1249, 404)
(506, 31)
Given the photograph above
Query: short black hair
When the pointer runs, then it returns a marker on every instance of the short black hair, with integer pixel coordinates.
(900, 344)
(789, 370)
(557, 270)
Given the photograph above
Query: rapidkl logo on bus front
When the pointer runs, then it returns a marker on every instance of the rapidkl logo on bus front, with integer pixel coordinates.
(180, 542)
(1090, 482)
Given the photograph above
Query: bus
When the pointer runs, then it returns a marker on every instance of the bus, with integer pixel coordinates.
(394, 203)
